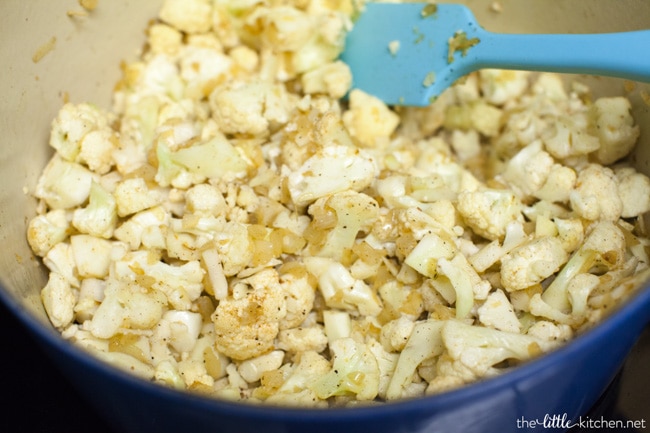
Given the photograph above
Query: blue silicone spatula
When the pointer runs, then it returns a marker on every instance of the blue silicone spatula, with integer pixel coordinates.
(408, 53)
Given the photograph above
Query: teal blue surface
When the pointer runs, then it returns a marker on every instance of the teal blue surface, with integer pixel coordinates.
(419, 69)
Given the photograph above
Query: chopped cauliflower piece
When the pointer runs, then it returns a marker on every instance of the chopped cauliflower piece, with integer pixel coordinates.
(354, 371)
(615, 128)
(190, 16)
(58, 300)
(46, 231)
(595, 196)
(634, 191)
(488, 212)
(369, 119)
(247, 327)
(497, 312)
(63, 184)
(532, 262)
(333, 169)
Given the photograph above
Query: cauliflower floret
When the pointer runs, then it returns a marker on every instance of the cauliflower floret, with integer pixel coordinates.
(125, 305)
(250, 107)
(550, 331)
(213, 159)
(64, 184)
(567, 137)
(615, 128)
(532, 262)
(395, 334)
(558, 185)
(595, 196)
(202, 68)
(634, 191)
(146, 228)
(424, 342)
(234, 247)
(60, 259)
(247, 327)
(133, 195)
(497, 312)
(190, 16)
(181, 283)
(478, 115)
(179, 329)
(369, 120)
(46, 231)
(165, 39)
(301, 340)
(479, 349)
(488, 212)
(99, 217)
(340, 289)
(59, 300)
(467, 284)
(205, 199)
(299, 299)
(428, 251)
(354, 371)
(604, 245)
(253, 369)
(499, 86)
(296, 389)
(287, 28)
(71, 126)
(331, 170)
(529, 169)
(333, 79)
(354, 212)
(92, 255)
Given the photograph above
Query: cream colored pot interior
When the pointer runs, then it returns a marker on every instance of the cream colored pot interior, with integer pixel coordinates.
(49, 56)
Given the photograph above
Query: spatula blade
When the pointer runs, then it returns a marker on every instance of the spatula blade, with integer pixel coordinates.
(399, 52)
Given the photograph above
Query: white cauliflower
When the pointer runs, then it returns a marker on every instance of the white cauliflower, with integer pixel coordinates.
(634, 191)
(190, 16)
(532, 262)
(59, 300)
(558, 184)
(133, 195)
(497, 312)
(99, 217)
(489, 211)
(615, 128)
(354, 371)
(46, 231)
(73, 124)
(604, 245)
(340, 289)
(301, 340)
(247, 327)
(354, 212)
(331, 170)
(250, 108)
(64, 184)
(480, 349)
(499, 86)
(333, 79)
(529, 169)
(595, 196)
(424, 342)
(369, 120)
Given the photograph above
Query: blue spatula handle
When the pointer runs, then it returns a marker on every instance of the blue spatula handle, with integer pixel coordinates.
(624, 55)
